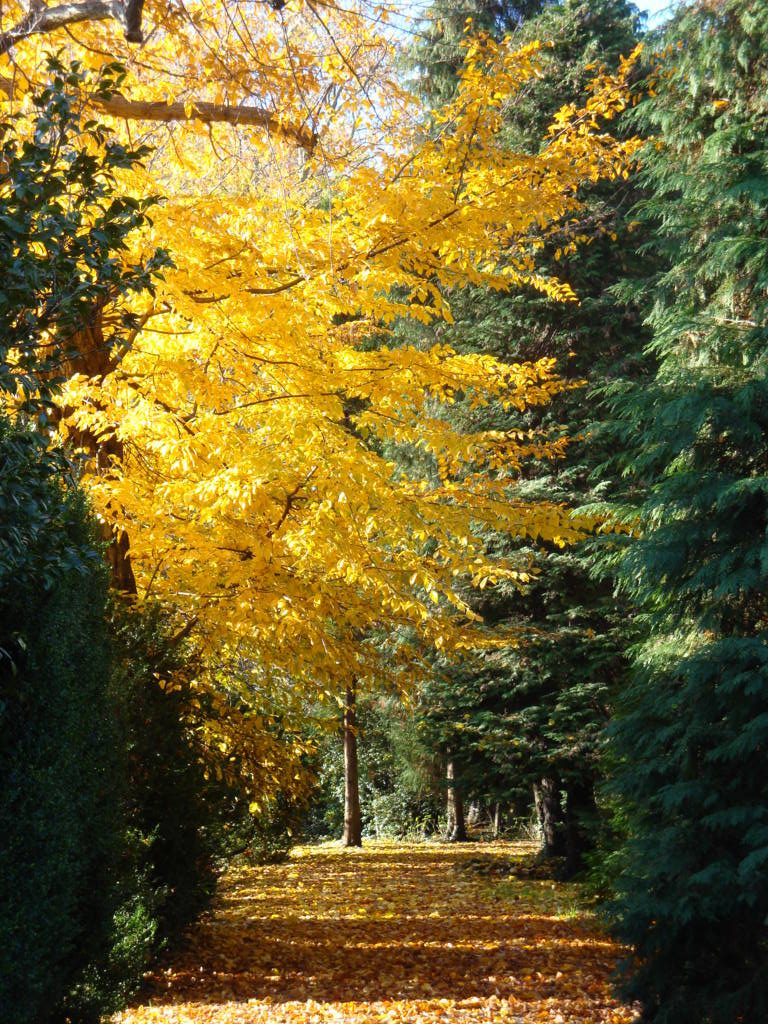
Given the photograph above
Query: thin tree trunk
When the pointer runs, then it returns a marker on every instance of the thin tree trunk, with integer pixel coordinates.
(353, 828)
(546, 795)
(457, 830)
(497, 820)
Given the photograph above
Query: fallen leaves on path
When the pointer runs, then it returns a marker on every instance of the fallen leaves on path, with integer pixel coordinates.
(397, 932)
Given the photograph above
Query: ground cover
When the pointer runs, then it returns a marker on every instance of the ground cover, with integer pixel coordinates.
(396, 932)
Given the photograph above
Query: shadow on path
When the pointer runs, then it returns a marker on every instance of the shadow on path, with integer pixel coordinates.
(395, 932)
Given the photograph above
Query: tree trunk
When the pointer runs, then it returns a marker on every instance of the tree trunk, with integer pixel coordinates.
(546, 795)
(474, 812)
(119, 559)
(457, 830)
(580, 814)
(91, 356)
(497, 820)
(353, 827)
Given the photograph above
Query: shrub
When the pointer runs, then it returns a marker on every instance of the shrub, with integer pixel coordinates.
(174, 808)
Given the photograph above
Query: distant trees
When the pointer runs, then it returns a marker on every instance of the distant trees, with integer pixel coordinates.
(401, 788)
(436, 53)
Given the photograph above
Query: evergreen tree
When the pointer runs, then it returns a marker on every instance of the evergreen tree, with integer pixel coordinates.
(534, 713)
(437, 55)
(693, 729)
(64, 223)
(73, 931)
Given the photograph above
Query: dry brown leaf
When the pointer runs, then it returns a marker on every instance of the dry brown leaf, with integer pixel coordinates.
(389, 935)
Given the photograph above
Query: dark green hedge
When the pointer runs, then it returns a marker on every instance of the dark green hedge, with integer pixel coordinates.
(58, 767)
(112, 834)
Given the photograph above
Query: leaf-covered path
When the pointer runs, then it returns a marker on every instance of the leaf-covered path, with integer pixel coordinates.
(397, 932)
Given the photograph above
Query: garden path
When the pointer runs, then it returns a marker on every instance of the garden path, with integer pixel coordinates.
(397, 932)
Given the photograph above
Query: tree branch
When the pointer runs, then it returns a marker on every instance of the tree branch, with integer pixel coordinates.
(290, 501)
(41, 20)
(184, 632)
(207, 113)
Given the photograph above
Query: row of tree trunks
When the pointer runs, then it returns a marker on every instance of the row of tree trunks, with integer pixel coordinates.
(564, 826)
(479, 813)
(353, 832)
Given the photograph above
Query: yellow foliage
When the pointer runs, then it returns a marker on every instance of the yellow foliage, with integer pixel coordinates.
(259, 402)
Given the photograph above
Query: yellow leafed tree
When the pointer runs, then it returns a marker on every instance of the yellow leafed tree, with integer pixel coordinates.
(309, 203)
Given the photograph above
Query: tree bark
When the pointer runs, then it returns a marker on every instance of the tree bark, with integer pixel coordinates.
(457, 829)
(580, 813)
(546, 795)
(207, 113)
(474, 813)
(41, 19)
(90, 355)
(353, 828)
(497, 820)
(203, 112)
